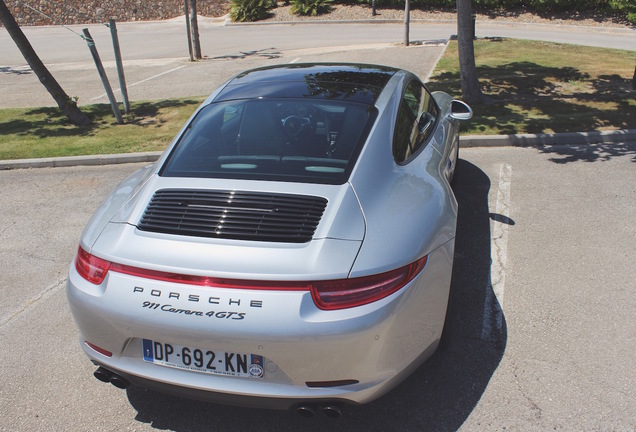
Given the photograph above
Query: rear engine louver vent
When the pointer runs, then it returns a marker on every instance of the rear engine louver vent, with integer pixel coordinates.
(235, 215)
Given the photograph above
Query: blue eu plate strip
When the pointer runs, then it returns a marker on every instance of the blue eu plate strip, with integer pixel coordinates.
(148, 351)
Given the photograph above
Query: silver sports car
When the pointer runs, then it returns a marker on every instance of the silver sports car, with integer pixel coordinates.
(292, 248)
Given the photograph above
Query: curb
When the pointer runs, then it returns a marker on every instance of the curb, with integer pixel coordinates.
(229, 23)
(540, 140)
(88, 160)
(312, 22)
(468, 141)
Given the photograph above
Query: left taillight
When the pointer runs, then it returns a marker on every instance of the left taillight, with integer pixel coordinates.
(90, 267)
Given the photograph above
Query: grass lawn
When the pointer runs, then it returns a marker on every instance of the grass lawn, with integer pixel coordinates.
(532, 87)
(543, 87)
(45, 132)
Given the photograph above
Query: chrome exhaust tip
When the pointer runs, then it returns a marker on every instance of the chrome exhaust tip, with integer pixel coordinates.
(306, 411)
(104, 375)
(332, 411)
(119, 382)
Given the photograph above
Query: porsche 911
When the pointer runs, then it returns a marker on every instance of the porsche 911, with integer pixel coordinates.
(292, 248)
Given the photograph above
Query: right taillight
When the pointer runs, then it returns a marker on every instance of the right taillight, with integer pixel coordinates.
(348, 293)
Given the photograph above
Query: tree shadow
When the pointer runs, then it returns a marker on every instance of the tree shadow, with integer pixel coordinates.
(19, 70)
(430, 42)
(589, 153)
(526, 97)
(439, 396)
(266, 53)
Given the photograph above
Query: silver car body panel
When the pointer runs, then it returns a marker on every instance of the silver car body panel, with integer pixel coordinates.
(330, 255)
(397, 196)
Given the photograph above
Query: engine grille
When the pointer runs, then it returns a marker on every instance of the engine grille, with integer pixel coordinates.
(235, 215)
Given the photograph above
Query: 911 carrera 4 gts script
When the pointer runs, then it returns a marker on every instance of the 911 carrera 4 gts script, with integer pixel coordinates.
(211, 314)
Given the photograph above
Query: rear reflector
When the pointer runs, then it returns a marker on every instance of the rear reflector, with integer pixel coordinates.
(322, 384)
(102, 351)
(327, 294)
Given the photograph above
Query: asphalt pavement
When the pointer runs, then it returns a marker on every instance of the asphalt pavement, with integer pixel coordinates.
(543, 302)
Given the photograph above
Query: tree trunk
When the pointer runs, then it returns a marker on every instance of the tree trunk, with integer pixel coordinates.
(194, 27)
(471, 92)
(68, 107)
(186, 9)
(407, 20)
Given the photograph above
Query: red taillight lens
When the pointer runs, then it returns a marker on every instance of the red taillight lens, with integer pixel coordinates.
(94, 270)
(347, 293)
(90, 267)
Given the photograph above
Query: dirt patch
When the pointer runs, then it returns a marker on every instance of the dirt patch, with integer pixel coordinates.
(363, 12)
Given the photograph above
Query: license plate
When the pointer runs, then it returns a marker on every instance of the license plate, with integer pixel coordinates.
(203, 360)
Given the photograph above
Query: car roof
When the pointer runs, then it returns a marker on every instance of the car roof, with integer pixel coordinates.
(360, 83)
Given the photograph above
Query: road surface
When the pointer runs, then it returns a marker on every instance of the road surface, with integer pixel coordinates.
(543, 308)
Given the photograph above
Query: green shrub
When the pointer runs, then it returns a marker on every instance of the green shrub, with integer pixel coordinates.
(250, 10)
(311, 7)
(624, 7)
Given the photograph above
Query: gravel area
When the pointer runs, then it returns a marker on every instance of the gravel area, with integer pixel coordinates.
(358, 12)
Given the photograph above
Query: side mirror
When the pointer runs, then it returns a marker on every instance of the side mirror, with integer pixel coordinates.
(460, 110)
(426, 121)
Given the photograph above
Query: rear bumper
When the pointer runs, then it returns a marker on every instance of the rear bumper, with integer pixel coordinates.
(375, 346)
(261, 402)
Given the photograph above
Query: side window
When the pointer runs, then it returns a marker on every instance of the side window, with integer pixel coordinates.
(415, 121)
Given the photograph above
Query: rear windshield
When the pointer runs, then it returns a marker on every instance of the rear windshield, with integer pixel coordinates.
(314, 141)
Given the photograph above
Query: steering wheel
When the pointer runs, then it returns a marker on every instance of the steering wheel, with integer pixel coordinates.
(294, 125)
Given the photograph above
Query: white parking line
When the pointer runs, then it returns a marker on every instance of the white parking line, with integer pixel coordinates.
(493, 315)
(439, 57)
(295, 60)
(142, 81)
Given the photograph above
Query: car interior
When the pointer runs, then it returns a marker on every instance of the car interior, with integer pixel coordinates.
(285, 138)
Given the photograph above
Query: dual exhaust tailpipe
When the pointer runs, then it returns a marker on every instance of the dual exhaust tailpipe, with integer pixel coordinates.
(332, 411)
(118, 381)
(107, 376)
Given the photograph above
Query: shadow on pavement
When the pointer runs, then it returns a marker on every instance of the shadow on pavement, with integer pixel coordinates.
(590, 153)
(267, 53)
(19, 70)
(439, 396)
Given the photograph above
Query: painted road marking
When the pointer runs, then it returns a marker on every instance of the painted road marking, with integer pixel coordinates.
(142, 81)
(493, 311)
